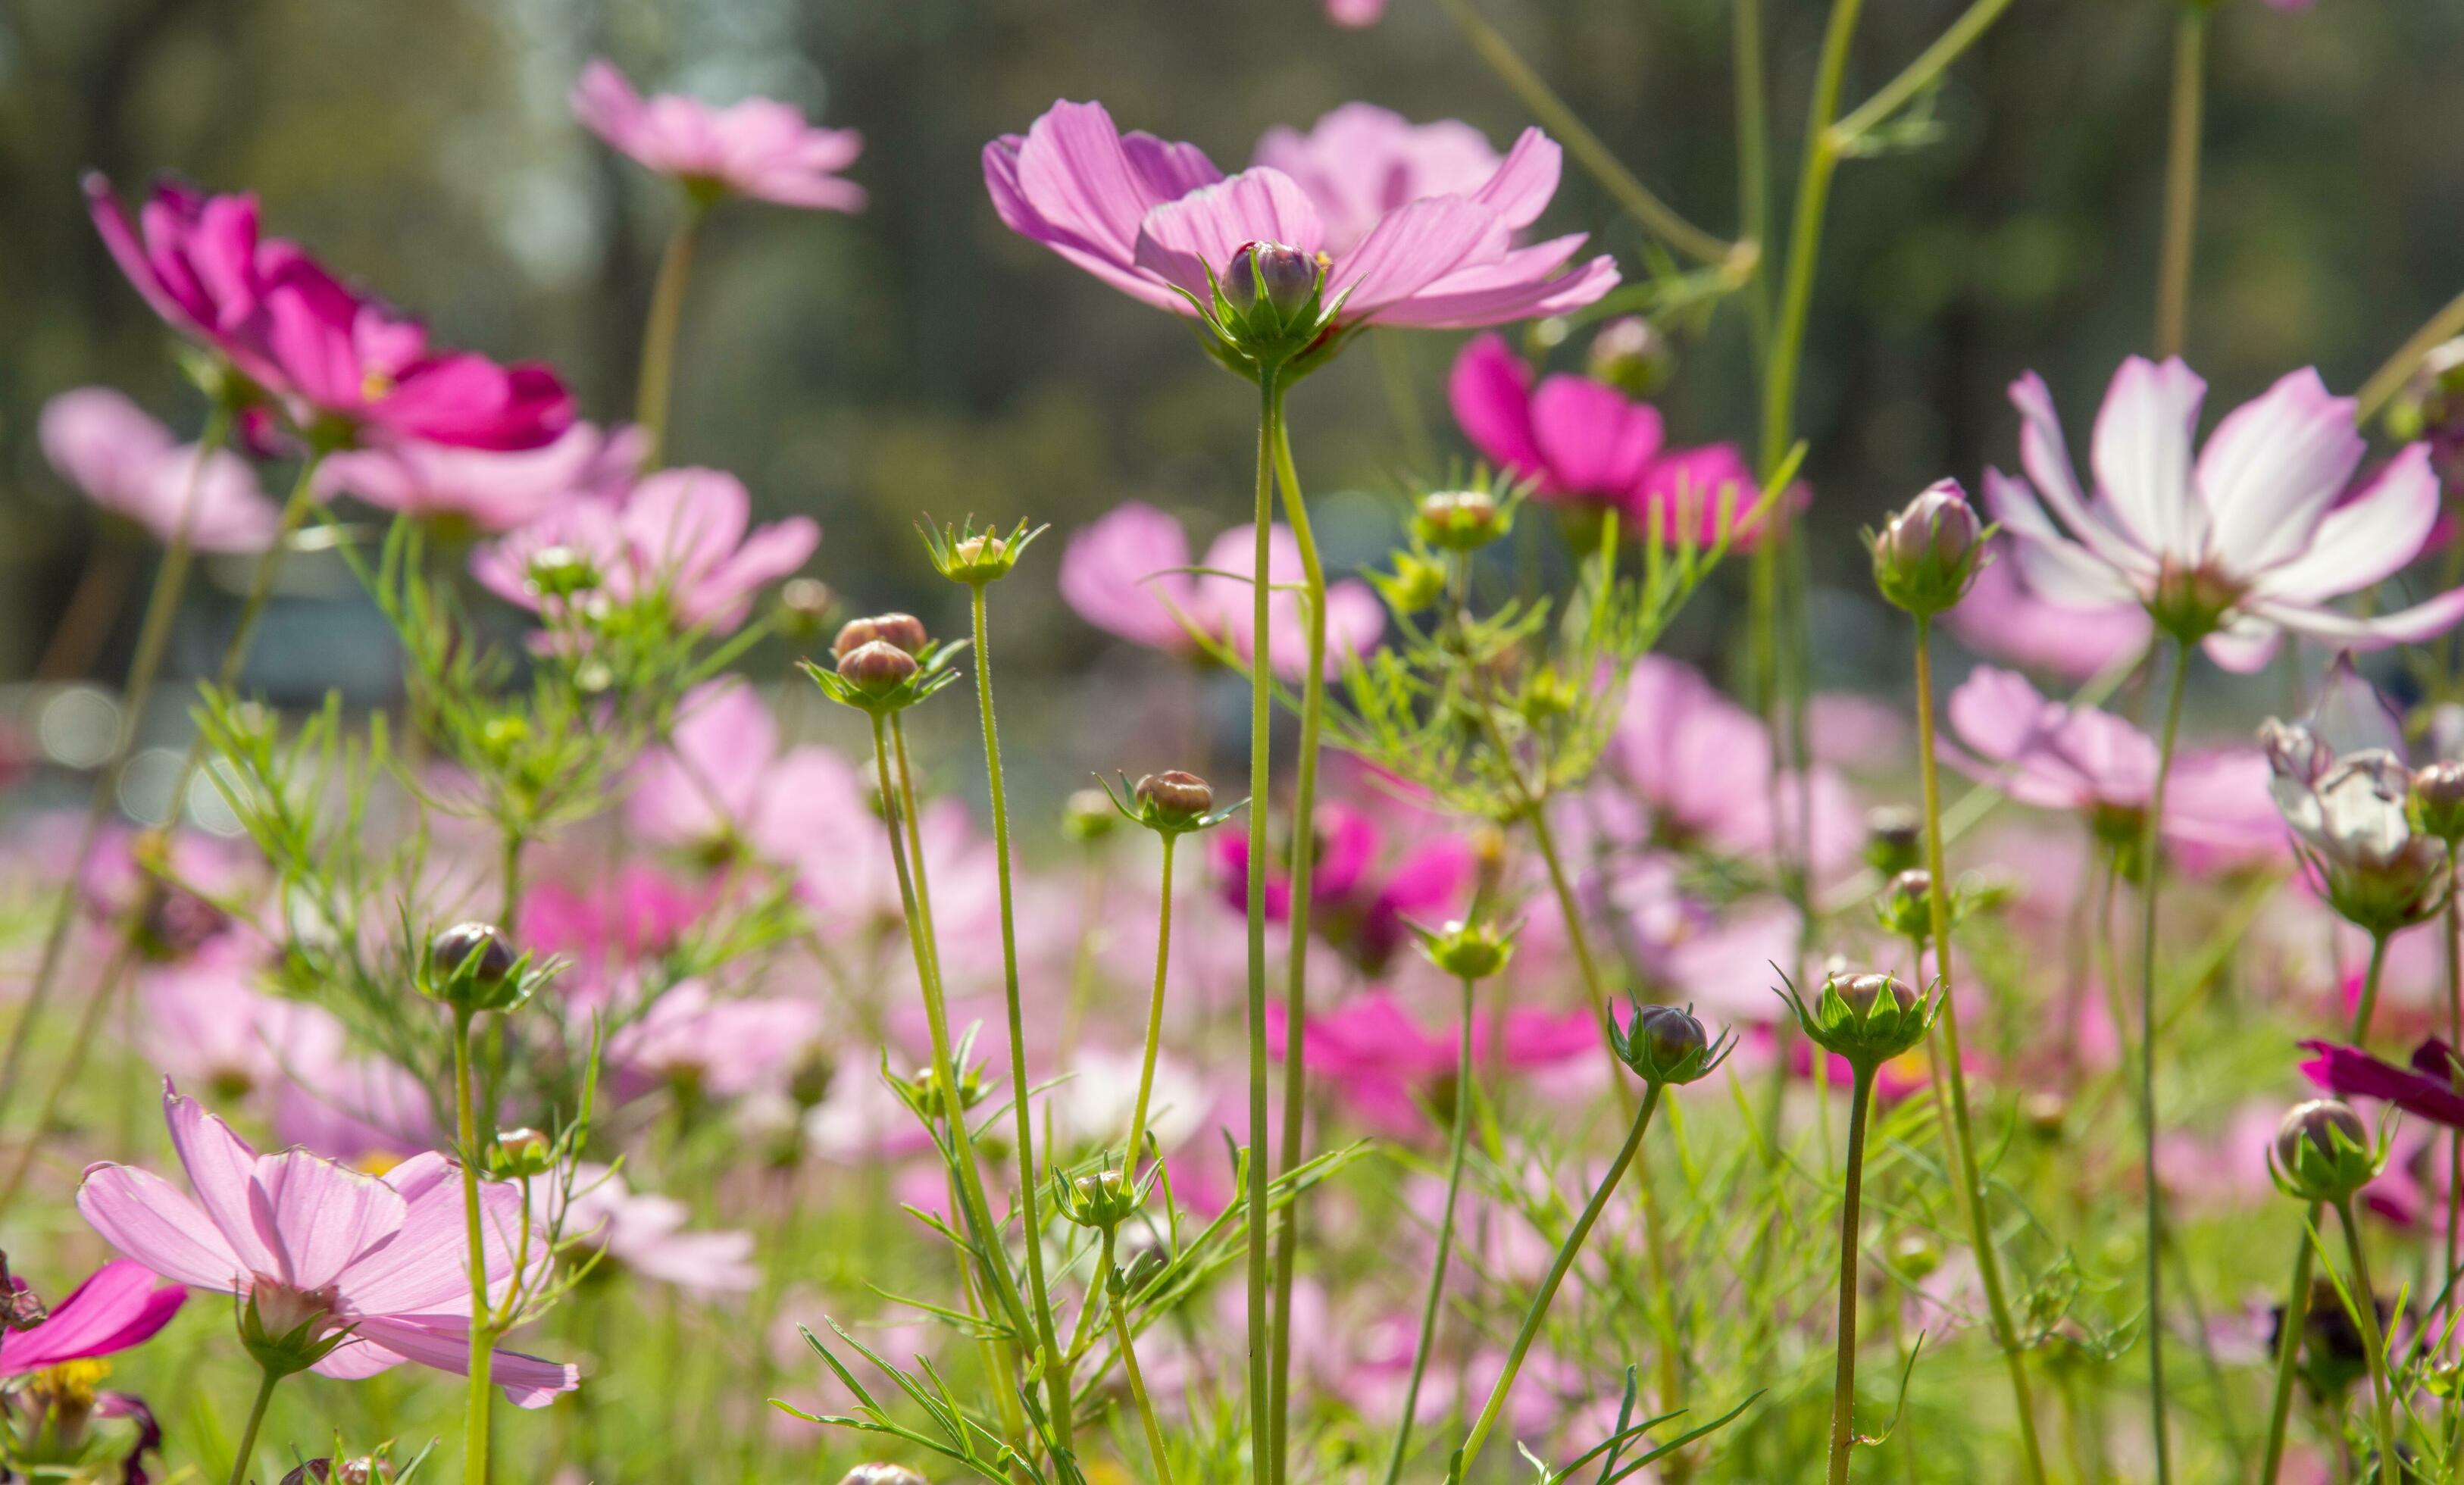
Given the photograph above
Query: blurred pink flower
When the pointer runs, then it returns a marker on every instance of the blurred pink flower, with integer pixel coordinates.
(721, 1046)
(759, 147)
(383, 1258)
(637, 914)
(2094, 764)
(120, 1306)
(129, 465)
(1703, 768)
(1361, 161)
(1152, 219)
(2254, 526)
(493, 492)
(338, 356)
(1360, 892)
(1385, 1065)
(1126, 575)
(1359, 15)
(2222, 1171)
(2004, 619)
(204, 1022)
(647, 1234)
(362, 1111)
(725, 772)
(684, 536)
(1586, 442)
(2424, 1088)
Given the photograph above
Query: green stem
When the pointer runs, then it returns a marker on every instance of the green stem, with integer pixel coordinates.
(478, 1406)
(2182, 181)
(2390, 378)
(247, 1453)
(1297, 952)
(2449, 929)
(1805, 237)
(2366, 1299)
(1754, 156)
(1988, 1262)
(1918, 76)
(1056, 1369)
(1155, 1019)
(2369, 1001)
(2288, 1351)
(1456, 1145)
(153, 639)
(1843, 1386)
(659, 336)
(1147, 1423)
(1261, 742)
(1656, 215)
(1567, 1251)
(2151, 843)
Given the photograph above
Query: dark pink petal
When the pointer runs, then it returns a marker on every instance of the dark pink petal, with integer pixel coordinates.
(1490, 392)
(120, 1306)
(1596, 442)
(2350, 1072)
(120, 236)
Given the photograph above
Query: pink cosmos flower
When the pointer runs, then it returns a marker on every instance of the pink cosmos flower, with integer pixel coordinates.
(1152, 219)
(639, 912)
(721, 1046)
(336, 357)
(2007, 619)
(2424, 1088)
(759, 147)
(1586, 442)
(684, 536)
(298, 1233)
(726, 770)
(1125, 575)
(646, 1233)
(2252, 532)
(131, 466)
(2094, 764)
(1360, 898)
(1361, 161)
(120, 1306)
(203, 1020)
(493, 492)
(1360, 15)
(363, 1111)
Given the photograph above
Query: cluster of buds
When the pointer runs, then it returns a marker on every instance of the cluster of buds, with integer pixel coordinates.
(470, 967)
(1467, 950)
(1170, 804)
(1927, 555)
(1101, 1200)
(2323, 1153)
(1866, 1018)
(883, 664)
(963, 553)
(2353, 819)
(1665, 1044)
(1461, 520)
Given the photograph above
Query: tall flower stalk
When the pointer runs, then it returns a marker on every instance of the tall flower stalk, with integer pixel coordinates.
(2182, 179)
(2324, 1153)
(2152, 865)
(652, 395)
(1262, 700)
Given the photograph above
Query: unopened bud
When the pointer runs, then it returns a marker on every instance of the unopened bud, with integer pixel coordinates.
(877, 667)
(561, 572)
(1663, 1043)
(883, 1474)
(1087, 816)
(1905, 910)
(902, 632)
(1630, 353)
(1864, 992)
(1926, 555)
(458, 944)
(2319, 1121)
(523, 1153)
(804, 604)
(2438, 796)
(1470, 951)
(1459, 520)
(1284, 276)
(1894, 838)
(1173, 794)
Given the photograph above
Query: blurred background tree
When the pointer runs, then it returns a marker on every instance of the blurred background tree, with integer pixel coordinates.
(918, 357)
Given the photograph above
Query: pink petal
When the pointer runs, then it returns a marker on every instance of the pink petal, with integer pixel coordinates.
(528, 1381)
(1411, 248)
(222, 1170)
(1520, 189)
(2272, 468)
(321, 1217)
(1108, 575)
(153, 1222)
(1490, 392)
(120, 1306)
(2140, 452)
(2048, 463)
(1524, 284)
(2369, 537)
(2407, 626)
(1595, 440)
(1075, 172)
(1182, 241)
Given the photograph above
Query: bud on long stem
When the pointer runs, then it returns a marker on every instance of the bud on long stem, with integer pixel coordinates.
(1843, 1388)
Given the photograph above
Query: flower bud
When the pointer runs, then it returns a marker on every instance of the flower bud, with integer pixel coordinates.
(1665, 1044)
(1631, 353)
(1459, 520)
(522, 1152)
(883, 1474)
(877, 667)
(1894, 838)
(2322, 1151)
(1927, 555)
(1471, 952)
(2439, 799)
(1866, 1018)
(1905, 907)
(20, 1307)
(2319, 1121)
(1864, 992)
(1417, 583)
(901, 631)
(471, 965)
(804, 604)
(561, 572)
(1174, 796)
(1284, 276)
(1915, 1252)
(464, 941)
(1087, 816)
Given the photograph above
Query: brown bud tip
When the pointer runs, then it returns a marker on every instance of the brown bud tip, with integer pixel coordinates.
(1179, 792)
(2313, 1120)
(450, 949)
(1862, 991)
(904, 630)
(2440, 785)
(1894, 824)
(876, 664)
(1914, 882)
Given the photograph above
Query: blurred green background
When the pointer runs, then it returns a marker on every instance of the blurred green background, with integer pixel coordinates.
(917, 358)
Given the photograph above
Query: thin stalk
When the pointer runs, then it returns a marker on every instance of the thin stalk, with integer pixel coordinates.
(1297, 952)
(1261, 697)
(1753, 155)
(153, 638)
(1988, 1262)
(2390, 378)
(659, 335)
(1805, 237)
(2450, 929)
(1843, 1386)
(2150, 843)
(2366, 1299)
(2180, 202)
(478, 1406)
(1456, 1145)
(1155, 1018)
(2363, 1012)
(247, 1453)
(1656, 215)
(85, 618)
(2288, 1351)
(1918, 76)
(1056, 1369)
(1567, 1251)
(1147, 1420)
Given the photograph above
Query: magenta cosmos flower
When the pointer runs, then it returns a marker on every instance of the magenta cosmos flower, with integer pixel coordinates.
(2249, 539)
(338, 359)
(384, 1257)
(1153, 219)
(493, 491)
(129, 465)
(1127, 575)
(120, 1304)
(760, 147)
(1585, 443)
(2424, 1087)
(682, 535)
(1363, 889)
